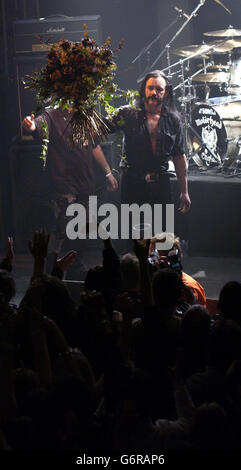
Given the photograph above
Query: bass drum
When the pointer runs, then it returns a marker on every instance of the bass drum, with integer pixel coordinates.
(207, 144)
(229, 109)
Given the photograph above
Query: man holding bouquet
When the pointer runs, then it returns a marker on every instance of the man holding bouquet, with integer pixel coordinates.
(69, 167)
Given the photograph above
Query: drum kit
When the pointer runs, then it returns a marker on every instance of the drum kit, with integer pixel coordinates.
(209, 97)
(213, 123)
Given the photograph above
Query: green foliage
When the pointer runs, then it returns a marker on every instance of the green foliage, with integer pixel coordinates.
(45, 141)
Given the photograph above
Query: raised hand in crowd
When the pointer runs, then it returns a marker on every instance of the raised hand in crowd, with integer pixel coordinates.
(38, 248)
(141, 250)
(60, 265)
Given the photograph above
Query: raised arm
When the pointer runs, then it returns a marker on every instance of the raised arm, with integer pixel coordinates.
(38, 248)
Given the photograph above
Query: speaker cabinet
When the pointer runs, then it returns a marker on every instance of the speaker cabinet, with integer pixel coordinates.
(31, 207)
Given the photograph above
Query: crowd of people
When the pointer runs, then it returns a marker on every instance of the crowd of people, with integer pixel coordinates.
(138, 364)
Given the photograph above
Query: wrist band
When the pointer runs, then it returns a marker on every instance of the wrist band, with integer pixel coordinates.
(108, 174)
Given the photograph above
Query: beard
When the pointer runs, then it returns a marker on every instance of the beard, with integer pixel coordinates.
(152, 103)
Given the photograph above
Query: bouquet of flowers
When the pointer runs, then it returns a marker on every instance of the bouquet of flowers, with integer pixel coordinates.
(78, 76)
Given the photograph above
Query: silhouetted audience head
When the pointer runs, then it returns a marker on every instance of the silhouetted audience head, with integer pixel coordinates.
(224, 344)
(130, 272)
(167, 288)
(195, 325)
(195, 329)
(229, 301)
(209, 429)
(95, 279)
(57, 304)
(7, 287)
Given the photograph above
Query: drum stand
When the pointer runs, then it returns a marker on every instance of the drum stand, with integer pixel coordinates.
(235, 168)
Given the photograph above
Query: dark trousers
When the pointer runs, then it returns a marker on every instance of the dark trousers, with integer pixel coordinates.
(137, 190)
(60, 243)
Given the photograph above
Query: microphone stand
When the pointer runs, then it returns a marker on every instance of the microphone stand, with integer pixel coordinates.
(167, 47)
(147, 48)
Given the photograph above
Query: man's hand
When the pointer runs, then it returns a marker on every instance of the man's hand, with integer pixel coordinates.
(28, 123)
(185, 203)
(38, 247)
(112, 184)
(65, 262)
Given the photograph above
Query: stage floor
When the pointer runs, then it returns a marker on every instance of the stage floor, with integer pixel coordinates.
(211, 272)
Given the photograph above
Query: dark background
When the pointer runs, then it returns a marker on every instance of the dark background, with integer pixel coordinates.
(138, 22)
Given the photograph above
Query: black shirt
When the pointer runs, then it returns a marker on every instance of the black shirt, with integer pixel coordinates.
(138, 149)
(69, 167)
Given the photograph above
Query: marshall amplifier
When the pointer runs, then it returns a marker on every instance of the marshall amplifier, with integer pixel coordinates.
(35, 36)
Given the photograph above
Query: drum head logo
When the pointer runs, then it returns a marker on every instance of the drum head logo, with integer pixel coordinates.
(210, 138)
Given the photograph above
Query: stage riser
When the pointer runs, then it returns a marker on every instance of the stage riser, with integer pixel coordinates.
(212, 226)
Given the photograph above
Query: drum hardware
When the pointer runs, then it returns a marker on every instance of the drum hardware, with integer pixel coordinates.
(229, 110)
(222, 5)
(231, 119)
(233, 169)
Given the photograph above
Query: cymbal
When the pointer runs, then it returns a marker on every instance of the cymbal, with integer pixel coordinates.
(220, 47)
(214, 66)
(234, 43)
(216, 77)
(228, 33)
(187, 51)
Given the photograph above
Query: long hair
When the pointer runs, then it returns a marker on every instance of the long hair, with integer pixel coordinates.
(168, 101)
